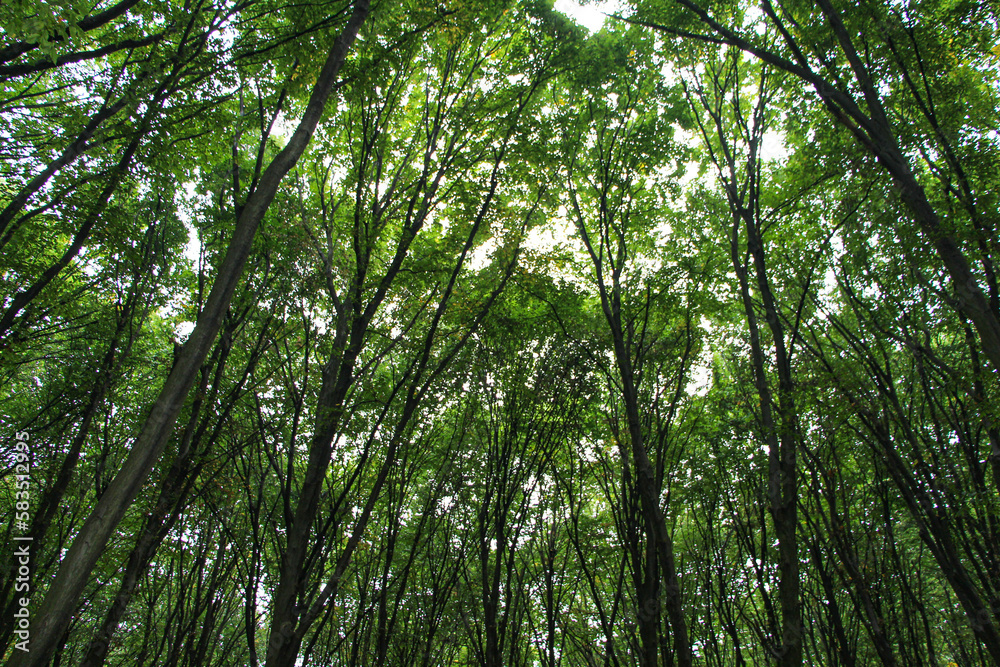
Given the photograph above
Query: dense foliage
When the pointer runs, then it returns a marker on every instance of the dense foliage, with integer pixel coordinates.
(404, 333)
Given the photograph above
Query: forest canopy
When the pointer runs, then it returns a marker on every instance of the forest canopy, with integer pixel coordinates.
(402, 333)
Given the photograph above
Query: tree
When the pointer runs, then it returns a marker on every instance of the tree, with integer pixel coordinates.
(452, 334)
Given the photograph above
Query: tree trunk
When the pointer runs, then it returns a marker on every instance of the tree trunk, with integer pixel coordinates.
(59, 604)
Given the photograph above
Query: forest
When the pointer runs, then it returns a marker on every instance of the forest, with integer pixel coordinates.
(398, 333)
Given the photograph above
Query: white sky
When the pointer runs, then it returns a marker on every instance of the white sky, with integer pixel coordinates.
(590, 16)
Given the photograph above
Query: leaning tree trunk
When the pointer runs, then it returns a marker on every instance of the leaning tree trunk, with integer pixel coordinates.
(54, 614)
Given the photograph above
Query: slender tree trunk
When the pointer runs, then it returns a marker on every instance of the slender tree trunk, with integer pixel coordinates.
(778, 440)
(645, 478)
(785, 493)
(174, 489)
(649, 496)
(648, 613)
(936, 532)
